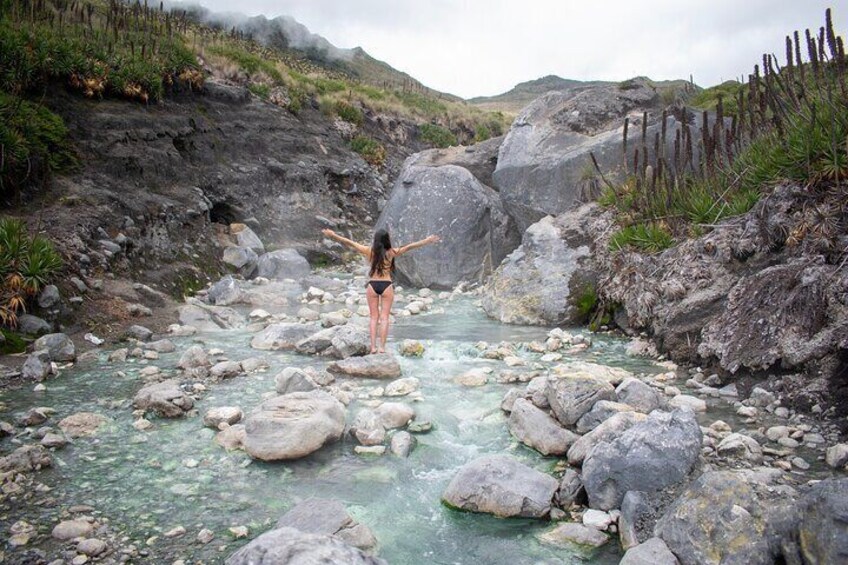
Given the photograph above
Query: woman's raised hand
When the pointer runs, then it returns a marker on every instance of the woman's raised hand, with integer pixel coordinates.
(433, 239)
(328, 232)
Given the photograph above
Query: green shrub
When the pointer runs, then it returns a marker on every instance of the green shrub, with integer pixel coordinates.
(260, 90)
(248, 62)
(26, 265)
(650, 237)
(371, 150)
(437, 136)
(586, 302)
(349, 113)
(33, 144)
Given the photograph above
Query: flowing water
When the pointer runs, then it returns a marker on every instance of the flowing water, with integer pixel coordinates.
(147, 483)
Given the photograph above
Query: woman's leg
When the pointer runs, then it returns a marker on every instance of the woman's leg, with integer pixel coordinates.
(374, 311)
(386, 300)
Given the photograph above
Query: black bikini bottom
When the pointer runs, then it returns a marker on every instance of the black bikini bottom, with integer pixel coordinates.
(380, 286)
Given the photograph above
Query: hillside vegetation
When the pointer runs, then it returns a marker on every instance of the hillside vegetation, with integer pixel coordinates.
(141, 52)
(787, 123)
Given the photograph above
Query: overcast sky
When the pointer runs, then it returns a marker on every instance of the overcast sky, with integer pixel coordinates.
(485, 47)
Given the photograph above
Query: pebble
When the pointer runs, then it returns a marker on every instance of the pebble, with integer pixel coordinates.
(175, 532)
(788, 442)
(39, 388)
(92, 547)
(239, 531)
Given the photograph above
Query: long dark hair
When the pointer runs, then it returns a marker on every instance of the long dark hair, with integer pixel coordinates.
(379, 249)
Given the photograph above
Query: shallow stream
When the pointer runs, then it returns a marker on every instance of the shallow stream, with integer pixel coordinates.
(147, 483)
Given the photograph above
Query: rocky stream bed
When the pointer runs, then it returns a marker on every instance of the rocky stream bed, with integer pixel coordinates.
(456, 417)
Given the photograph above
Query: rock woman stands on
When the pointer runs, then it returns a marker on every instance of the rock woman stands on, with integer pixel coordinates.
(379, 292)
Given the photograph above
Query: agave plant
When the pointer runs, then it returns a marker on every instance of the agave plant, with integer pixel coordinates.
(26, 264)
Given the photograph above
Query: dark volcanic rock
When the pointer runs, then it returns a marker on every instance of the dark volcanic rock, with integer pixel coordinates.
(450, 202)
(823, 529)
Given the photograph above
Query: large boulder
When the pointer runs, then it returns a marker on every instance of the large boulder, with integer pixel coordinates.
(480, 159)
(500, 485)
(642, 397)
(381, 366)
(652, 552)
(243, 259)
(537, 429)
(448, 201)
(82, 424)
(26, 458)
(606, 432)
(246, 237)
(225, 292)
(293, 425)
(545, 156)
(555, 268)
(340, 342)
(572, 396)
(823, 529)
(649, 457)
(283, 336)
(288, 546)
(59, 347)
(721, 518)
(167, 399)
(282, 264)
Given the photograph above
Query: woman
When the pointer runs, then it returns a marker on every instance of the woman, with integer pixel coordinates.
(379, 292)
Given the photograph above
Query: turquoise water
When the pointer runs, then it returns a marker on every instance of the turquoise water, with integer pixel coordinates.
(147, 483)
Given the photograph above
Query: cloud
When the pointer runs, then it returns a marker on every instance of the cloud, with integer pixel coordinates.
(485, 47)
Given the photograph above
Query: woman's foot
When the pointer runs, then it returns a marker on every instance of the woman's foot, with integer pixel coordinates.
(373, 351)
(381, 350)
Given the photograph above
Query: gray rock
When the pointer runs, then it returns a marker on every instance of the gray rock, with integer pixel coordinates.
(58, 345)
(92, 547)
(480, 159)
(282, 336)
(293, 425)
(403, 443)
(293, 379)
(642, 397)
(206, 318)
(569, 534)
(82, 424)
(287, 546)
(570, 490)
(652, 552)
(193, 358)
(328, 517)
(37, 366)
(395, 414)
(509, 399)
(650, 456)
(367, 428)
(161, 346)
(244, 260)
(823, 529)
(402, 387)
(282, 264)
(500, 485)
(166, 399)
(70, 529)
(540, 282)
(246, 237)
(225, 292)
(538, 430)
(225, 370)
(572, 396)
(49, 297)
(442, 200)
(33, 325)
(636, 523)
(740, 446)
(350, 340)
(606, 432)
(53, 440)
(837, 455)
(381, 366)
(138, 332)
(541, 162)
(718, 519)
(602, 411)
(222, 414)
(25, 459)
(317, 342)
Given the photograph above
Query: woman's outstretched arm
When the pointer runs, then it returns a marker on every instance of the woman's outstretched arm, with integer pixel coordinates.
(347, 242)
(410, 246)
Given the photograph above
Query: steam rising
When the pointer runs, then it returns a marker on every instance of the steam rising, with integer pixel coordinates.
(282, 32)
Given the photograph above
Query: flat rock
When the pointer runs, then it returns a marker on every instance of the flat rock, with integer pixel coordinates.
(82, 424)
(283, 546)
(293, 425)
(283, 336)
(568, 534)
(70, 529)
(572, 396)
(293, 379)
(606, 432)
(653, 552)
(500, 485)
(380, 366)
(228, 414)
(166, 399)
